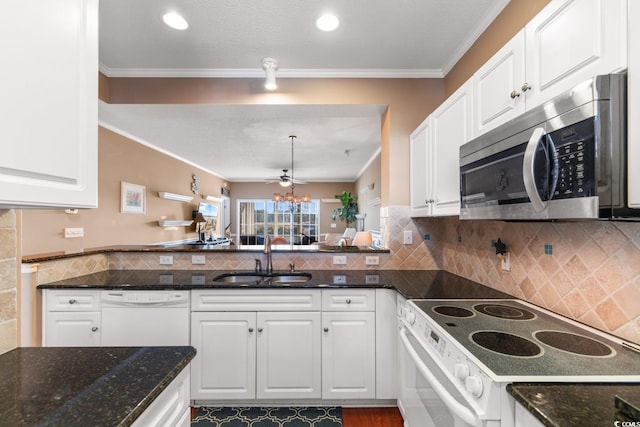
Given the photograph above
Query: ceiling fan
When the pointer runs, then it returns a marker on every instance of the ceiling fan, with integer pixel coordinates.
(285, 179)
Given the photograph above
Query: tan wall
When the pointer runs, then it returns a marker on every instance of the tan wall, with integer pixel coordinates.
(370, 177)
(121, 159)
(317, 190)
(512, 18)
(411, 100)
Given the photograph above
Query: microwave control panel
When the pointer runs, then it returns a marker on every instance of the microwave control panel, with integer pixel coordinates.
(575, 147)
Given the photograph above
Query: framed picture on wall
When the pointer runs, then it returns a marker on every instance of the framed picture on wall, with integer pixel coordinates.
(132, 198)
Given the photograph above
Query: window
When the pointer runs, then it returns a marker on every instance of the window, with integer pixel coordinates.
(299, 224)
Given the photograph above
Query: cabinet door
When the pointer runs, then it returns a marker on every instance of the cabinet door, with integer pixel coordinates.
(570, 41)
(633, 100)
(452, 127)
(49, 103)
(348, 355)
(288, 349)
(497, 91)
(420, 192)
(225, 363)
(72, 329)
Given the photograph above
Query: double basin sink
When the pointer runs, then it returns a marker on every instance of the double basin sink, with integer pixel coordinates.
(245, 279)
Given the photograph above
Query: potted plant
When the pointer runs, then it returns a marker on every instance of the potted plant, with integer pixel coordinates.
(349, 208)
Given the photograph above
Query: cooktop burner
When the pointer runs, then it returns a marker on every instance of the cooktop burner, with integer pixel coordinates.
(504, 311)
(449, 310)
(503, 343)
(574, 343)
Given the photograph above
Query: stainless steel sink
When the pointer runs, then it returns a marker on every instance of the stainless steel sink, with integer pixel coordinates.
(289, 278)
(239, 278)
(243, 278)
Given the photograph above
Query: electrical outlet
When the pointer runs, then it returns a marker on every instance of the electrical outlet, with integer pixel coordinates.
(197, 259)
(333, 225)
(72, 233)
(372, 260)
(408, 237)
(339, 260)
(371, 279)
(339, 279)
(198, 279)
(506, 262)
(166, 279)
(166, 259)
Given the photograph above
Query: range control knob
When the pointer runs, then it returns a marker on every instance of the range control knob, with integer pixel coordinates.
(461, 371)
(473, 385)
(410, 317)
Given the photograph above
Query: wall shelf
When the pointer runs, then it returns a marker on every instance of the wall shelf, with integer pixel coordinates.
(173, 196)
(175, 223)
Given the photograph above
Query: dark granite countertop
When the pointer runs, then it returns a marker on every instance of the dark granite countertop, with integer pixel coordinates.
(85, 386)
(410, 283)
(576, 405)
(189, 248)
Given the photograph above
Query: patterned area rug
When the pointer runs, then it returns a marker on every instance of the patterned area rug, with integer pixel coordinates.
(268, 417)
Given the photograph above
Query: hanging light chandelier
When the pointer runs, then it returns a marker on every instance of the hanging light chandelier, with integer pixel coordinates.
(290, 197)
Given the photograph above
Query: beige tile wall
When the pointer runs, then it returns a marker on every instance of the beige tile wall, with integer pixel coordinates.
(591, 271)
(8, 281)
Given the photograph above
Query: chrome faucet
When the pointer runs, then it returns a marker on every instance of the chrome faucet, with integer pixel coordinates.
(267, 250)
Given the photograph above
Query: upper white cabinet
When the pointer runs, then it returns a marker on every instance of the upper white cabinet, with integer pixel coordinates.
(49, 103)
(435, 157)
(568, 42)
(633, 100)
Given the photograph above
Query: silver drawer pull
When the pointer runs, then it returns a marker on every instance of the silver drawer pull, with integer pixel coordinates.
(94, 329)
(250, 330)
(259, 329)
(348, 301)
(326, 329)
(72, 301)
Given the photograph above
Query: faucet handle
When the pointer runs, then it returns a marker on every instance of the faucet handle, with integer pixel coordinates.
(292, 266)
(258, 266)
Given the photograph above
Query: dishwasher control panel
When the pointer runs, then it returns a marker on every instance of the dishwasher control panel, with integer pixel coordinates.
(145, 297)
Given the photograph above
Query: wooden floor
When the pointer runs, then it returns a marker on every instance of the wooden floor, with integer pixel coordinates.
(371, 417)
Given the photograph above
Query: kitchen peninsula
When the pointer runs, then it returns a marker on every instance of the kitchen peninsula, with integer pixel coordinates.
(87, 386)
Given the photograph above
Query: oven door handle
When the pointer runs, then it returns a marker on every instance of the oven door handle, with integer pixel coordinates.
(454, 406)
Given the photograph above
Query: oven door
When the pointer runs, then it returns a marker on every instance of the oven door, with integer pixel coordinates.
(427, 397)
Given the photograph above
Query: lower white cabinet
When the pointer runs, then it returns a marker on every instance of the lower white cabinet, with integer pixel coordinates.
(348, 355)
(72, 318)
(171, 407)
(524, 418)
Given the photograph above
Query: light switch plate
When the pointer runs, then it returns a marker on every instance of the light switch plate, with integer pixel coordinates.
(197, 259)
(166, 259)
(408, 237)
(72, 233)
(339, 279)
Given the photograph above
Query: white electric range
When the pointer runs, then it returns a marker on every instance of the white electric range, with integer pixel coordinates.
(457, 356)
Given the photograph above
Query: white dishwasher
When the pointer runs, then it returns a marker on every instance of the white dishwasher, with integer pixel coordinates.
(145, 318)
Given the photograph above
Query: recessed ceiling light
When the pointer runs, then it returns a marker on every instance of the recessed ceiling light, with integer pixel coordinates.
(175, 21)
(327, 22)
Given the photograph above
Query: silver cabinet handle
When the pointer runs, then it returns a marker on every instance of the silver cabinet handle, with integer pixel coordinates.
(259, 329)
(250, 330)
(525, 87)
(514, 94)
(95, 328)
(326, 329)
(72, 301)
(348, 301)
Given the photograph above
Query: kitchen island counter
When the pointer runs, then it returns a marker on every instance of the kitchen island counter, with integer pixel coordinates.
(409, 283)
(577, 405)
(82, 386)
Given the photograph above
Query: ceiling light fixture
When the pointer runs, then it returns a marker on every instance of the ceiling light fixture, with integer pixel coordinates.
(270, 66)
(291, 197)
(327, 22)
(175, 21)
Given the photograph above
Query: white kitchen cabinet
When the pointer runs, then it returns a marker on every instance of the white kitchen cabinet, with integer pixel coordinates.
(72, 318)
(49, 104)
(348, 343)
(435, 155)
(225, 364)
(256, 344)
(171, 407)
(568, 42)
(633, 106)
(288, 355)
(497, 87)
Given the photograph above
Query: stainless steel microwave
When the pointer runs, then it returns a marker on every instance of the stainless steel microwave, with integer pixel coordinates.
(565, 159)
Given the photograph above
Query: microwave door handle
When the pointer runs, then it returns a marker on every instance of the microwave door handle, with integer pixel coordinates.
(527, 170)
(454, 406)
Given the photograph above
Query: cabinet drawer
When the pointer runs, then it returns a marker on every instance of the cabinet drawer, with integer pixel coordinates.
(72, 300)
(256, 300)
(349, 300)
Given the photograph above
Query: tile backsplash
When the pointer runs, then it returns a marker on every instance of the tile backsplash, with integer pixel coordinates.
(8, 281)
